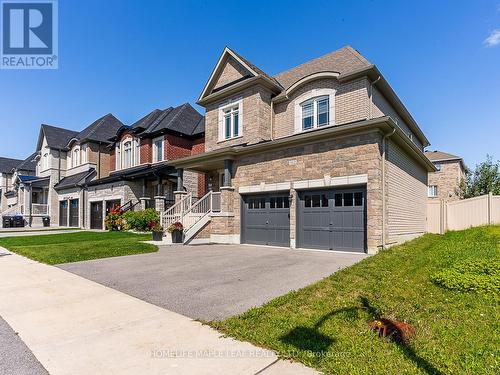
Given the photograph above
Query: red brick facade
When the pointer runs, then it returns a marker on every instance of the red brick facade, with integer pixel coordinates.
(112, 160)
(198, 146)
(146, 151)
(176, 147)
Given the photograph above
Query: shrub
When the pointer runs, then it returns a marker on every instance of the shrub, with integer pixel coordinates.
(473, 275)
(114, 220)
(140, 220)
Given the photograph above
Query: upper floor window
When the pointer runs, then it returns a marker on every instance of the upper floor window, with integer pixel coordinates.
(432, 191)
(84, 154)
(158, 149)
(230, 116)
(314, 109)
(127, 154)
(45, 161)
(315, 112)
(438, 166)
(231, 122)
(75, 158)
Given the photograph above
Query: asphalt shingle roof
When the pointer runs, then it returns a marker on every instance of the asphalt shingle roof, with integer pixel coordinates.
(148, 120)
(440, 155)
(57, 137)
(28, 164)
(344, 61)
(183, 119)
(101, 130)
(7, 164)
(77, 178)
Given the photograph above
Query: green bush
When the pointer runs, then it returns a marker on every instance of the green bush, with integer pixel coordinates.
(140, 220)
(474, 275)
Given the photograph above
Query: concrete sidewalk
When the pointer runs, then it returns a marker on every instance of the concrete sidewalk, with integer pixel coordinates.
(76, 326)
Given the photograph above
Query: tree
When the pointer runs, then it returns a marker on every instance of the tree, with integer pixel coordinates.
(484, 179)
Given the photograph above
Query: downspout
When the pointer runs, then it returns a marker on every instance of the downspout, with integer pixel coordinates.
(272, 120)
(384, 138)
(99, 162)
(370, 111)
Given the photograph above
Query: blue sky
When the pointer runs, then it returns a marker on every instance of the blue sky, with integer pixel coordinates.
(128, 57)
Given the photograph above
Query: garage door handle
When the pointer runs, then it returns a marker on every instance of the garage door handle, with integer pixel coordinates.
(331, 223)
(267, 222)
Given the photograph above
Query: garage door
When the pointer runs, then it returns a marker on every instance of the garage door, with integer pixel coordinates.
(332, 220)
(266, 220)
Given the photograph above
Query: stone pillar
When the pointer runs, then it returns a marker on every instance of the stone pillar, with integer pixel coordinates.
(227, 172)
(180, 179)
(160, 203)
(144, 202)
(227, 199)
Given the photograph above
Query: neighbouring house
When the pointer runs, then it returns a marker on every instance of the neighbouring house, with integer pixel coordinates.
(444, 183)
(321, 156)
(139, 175)
(9, 169)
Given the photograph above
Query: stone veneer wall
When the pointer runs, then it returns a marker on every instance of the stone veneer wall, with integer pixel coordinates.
(256, 118)
(351, 104)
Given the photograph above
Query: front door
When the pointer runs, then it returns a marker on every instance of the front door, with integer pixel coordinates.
(96, 215)
(266, 219)
(73, 212)
(63, 213)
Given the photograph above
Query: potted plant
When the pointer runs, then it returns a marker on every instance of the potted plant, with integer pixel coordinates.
(176, 230)
(157, 230)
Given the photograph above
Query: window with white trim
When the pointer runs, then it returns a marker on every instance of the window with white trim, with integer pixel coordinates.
(136, 156)
(432, 191)
(75, 158)
(84, 153)
(315, 112)
(45, 161)
(127, 154)
(230, 120)
(438, 166)
(158, 149)
(118, 156)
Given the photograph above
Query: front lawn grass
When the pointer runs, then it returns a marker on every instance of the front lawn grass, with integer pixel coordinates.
(75, 247)
(325, 325)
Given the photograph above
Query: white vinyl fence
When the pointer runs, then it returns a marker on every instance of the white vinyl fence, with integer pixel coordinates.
(463, 214)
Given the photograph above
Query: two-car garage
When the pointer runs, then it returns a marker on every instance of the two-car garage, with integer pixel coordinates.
(333, 219)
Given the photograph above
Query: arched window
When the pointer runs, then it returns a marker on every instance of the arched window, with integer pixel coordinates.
(315, 112)
(76, 157)
(127, 154)
(45, 161)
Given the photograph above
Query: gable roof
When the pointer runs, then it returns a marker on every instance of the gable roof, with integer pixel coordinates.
(28, 164)
(344, 61)
(56, 137)
(101, 130)
(255, 73)
(8, 164)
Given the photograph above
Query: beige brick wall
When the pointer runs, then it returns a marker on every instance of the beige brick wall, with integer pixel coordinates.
(256, 119)
(232, 71)
(406, 192)
(351, 104)
(447, 180)
(381, 107)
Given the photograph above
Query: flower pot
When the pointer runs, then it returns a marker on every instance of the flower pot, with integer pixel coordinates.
(157, 236)
(177, 236)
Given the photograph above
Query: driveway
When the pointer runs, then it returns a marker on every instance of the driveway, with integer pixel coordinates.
(213, 282)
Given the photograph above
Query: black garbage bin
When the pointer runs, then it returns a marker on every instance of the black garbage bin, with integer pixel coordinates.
(6, 220)
(46, 221)
(18, 221)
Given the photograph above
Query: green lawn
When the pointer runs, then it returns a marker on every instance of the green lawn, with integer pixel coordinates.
(325, 325)
(74, 247)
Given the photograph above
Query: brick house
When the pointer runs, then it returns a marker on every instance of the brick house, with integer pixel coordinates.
(323, 155)
(139, 176)
(444, 183)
